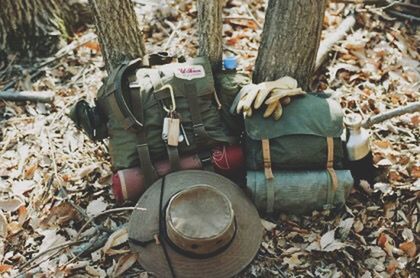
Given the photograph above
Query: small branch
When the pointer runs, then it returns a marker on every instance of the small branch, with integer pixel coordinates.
(40, 96)
(410, 108)
(404, 16)
(103, 213)
(58, 247)
(332, 38)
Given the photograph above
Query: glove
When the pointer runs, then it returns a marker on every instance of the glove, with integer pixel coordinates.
(272, 93)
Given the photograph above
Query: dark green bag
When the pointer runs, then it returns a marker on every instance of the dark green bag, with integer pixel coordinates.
(299, 139)
(134, 98)
(228, 84)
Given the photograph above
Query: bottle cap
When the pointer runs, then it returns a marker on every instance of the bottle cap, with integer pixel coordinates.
(230, 62)
(353, 120)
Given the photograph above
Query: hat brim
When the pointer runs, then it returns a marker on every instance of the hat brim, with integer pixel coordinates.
(144, 224)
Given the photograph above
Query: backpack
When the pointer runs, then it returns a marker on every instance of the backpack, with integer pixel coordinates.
(308, 132)
(140, 102)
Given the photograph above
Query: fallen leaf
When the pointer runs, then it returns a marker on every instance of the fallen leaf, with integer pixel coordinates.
(268, 225)
(96, 206)
(10, 205)
(124, 263)
(14, 227)
(3, 225)
(392, 266)
(116, 238)
(21, 187)
(329, 243)
(5, 267)
(409, 247)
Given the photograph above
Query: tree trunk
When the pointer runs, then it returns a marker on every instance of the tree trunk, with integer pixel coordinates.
(38, 28)
(118, 31)
(210, 31)
(290, 40)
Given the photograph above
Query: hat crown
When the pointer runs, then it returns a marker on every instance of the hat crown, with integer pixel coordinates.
(200, 220)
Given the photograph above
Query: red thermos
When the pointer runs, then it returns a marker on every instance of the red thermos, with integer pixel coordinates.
(128, 184)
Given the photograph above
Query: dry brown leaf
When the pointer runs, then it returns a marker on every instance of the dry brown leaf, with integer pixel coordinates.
(10, 205)
(409, 247)
(5, 267)
(124, 263)
(116, 238)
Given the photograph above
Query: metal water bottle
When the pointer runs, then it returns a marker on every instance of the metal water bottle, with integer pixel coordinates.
(359, 155)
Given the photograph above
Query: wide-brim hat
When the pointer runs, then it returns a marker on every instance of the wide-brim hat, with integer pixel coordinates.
(206, 227)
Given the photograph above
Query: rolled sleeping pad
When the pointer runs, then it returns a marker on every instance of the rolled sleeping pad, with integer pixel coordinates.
(298, 192)
(128, 184)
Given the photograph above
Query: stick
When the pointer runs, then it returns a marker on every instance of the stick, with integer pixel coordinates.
(102, 213)
(40, 96)
(332, 38)
(63, 245)
(409, 108)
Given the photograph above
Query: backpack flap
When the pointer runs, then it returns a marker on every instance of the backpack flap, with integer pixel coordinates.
(298, 140)
(305, 115)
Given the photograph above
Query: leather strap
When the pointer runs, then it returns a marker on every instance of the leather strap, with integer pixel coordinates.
(173, 157)
(330, 163)
(267, 159)
(119, 81)
(150, 174)
(198, 126)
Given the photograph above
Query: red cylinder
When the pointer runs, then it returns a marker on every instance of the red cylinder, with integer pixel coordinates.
(228, 160)
(128, 184)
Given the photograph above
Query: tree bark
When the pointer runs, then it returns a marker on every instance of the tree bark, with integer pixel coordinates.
(210, 31)
(290, 40)
(118, 31)
(38, 28)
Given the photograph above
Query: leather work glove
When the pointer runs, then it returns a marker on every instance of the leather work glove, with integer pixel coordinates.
(272, 93)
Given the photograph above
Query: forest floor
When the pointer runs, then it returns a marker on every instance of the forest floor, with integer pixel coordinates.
(54, 179)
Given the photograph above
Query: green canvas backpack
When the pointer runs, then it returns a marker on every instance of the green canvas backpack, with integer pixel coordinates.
(300, 139)
(137, 99)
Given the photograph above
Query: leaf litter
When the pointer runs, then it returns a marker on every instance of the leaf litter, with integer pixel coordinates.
(53, 178)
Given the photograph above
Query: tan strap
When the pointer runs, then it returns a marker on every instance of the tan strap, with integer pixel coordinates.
(330, 163)
(267, 159)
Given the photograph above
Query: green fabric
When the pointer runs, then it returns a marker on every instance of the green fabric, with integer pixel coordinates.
(298, 139)
(122, 142)
(228, 84)
(298, 192)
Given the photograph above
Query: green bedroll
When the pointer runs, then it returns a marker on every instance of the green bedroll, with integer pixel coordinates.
(298, 192)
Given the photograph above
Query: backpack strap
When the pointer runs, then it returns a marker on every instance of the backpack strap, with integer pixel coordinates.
(330, 163)
(267, 159)
(198, 127)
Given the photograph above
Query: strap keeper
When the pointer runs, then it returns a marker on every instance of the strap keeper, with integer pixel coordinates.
(330, 163)
(267, 159)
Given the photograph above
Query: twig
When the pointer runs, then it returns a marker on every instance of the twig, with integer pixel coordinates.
(61, 53)
(103, 213)
(40, 96)
(253, 17)
(410, 108)
(58, 247)
(403, 15)
(332, 38)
